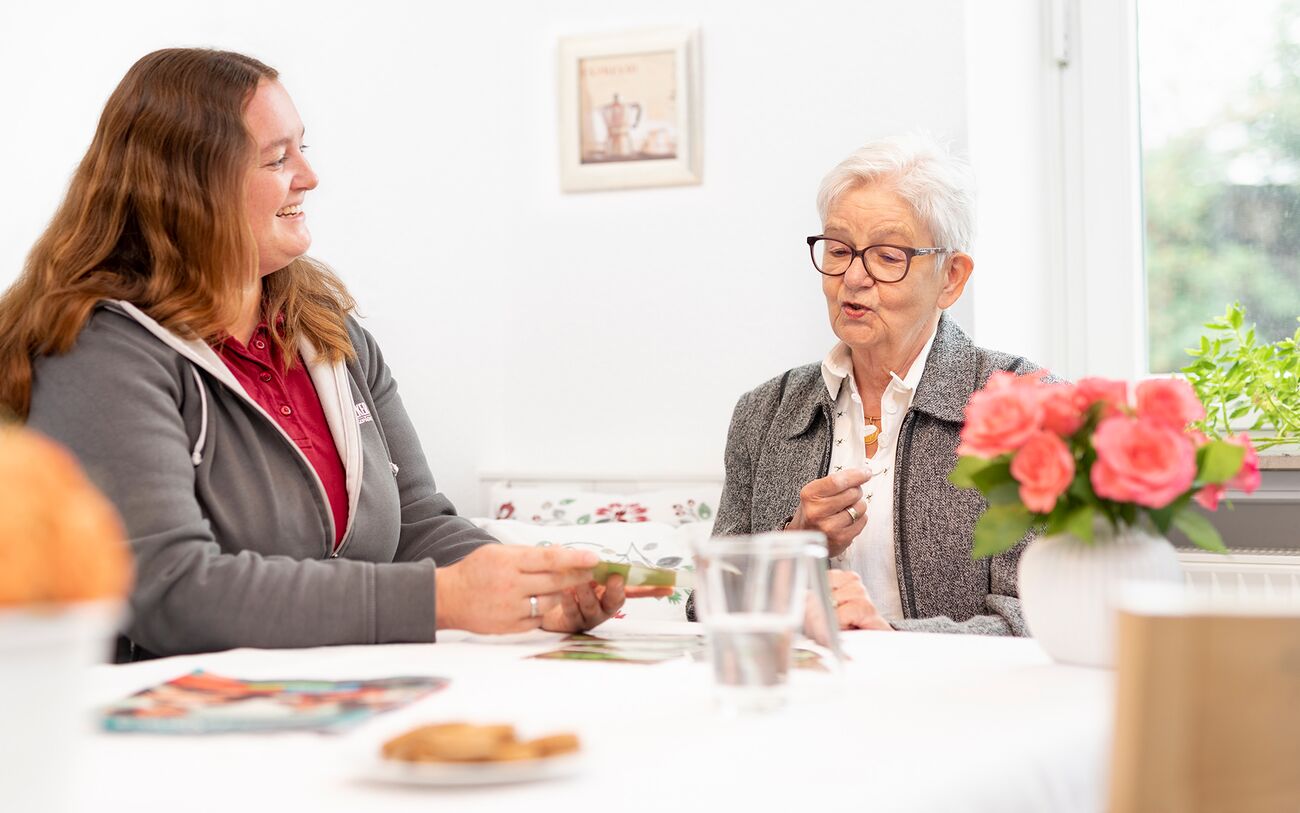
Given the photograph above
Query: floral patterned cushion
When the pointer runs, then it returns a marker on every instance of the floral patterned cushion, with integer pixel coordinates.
(574, 506)
(649, 543)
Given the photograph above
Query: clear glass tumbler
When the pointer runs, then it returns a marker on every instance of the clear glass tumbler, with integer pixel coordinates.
(751, 594)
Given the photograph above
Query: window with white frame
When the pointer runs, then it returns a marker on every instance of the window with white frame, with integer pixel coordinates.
(1219, 101)
(1179, 146)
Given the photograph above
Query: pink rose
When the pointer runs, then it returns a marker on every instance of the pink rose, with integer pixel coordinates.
(1000, 417)
(1114, 394)
(1063, 408)
(1209, 496)
(1169, 400)
(1248, 476)
(1142, 461)
(1044, 468)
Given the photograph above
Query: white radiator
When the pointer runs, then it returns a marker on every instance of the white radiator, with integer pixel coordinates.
(1242, 576)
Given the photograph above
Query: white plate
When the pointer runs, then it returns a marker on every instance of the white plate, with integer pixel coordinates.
(473, 773)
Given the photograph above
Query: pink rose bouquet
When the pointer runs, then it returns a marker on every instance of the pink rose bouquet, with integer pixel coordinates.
(1062, 456)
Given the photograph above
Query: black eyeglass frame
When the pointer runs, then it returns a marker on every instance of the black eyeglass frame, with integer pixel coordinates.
(861, 254)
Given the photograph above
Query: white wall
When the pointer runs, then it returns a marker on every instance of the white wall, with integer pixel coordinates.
(1011, 73)
(532, 331)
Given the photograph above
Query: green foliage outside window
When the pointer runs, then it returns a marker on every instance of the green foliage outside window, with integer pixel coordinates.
(1212, 237)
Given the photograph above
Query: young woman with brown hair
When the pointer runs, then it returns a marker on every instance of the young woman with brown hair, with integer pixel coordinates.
(169, 330)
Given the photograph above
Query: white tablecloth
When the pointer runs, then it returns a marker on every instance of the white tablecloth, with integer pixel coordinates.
(918, 723)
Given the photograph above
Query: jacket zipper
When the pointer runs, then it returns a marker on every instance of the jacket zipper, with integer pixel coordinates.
(826, 455)
(900, 511)
(302, 458)
(346, 409)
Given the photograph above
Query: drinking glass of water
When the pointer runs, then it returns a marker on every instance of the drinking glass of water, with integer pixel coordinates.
(751, 594)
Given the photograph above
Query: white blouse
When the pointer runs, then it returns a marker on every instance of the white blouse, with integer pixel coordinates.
(871, 554)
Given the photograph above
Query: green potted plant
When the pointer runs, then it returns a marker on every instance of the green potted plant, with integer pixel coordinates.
(1247, 384)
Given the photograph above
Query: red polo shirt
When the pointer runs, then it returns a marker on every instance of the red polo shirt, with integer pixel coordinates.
(290, 397)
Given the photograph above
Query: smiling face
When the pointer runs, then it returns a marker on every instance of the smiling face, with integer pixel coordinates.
(279, 179)
(887, 321)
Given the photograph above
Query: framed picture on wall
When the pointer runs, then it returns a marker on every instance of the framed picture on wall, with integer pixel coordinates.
(629, 110)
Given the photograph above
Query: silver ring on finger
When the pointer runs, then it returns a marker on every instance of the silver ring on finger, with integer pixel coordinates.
(853, 513)
(533, 610)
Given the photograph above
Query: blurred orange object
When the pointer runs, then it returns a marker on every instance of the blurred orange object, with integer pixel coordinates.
(60, 538)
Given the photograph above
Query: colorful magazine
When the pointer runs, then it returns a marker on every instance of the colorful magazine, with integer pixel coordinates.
(204, 703)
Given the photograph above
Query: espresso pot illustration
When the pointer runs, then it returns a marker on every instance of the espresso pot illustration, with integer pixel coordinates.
(615, 114)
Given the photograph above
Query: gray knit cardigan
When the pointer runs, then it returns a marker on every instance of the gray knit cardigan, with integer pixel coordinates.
(780, 439)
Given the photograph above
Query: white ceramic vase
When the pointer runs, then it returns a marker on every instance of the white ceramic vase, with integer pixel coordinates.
(1069, 588)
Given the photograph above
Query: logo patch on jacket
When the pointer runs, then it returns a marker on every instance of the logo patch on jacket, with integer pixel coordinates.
(363, 413)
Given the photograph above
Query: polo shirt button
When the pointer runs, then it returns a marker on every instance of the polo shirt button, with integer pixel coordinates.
(286, 410)
(259, 344)
(891, 409)
(266, 377)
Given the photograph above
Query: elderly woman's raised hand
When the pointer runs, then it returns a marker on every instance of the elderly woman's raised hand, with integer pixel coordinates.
(834, 506)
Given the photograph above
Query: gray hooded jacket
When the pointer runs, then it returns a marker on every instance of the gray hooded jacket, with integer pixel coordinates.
(780, 439)
(229, 523)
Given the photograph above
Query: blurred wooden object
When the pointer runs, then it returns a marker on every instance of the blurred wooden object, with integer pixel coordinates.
(1208, 713)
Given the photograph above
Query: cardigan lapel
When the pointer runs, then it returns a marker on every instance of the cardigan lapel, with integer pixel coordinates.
(804, 401)
(951, 374)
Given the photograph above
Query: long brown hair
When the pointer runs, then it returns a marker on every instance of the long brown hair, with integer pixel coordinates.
(155, 216)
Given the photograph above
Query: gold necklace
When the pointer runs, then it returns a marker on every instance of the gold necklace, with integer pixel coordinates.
(870, 431)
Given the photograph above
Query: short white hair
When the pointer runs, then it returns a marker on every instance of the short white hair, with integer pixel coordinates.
(938, 185)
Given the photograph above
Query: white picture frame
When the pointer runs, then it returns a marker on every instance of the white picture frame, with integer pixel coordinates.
(629, 109)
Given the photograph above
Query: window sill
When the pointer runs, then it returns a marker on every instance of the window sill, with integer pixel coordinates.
(1280, 458)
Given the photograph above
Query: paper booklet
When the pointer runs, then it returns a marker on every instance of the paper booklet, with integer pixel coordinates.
(205, 703)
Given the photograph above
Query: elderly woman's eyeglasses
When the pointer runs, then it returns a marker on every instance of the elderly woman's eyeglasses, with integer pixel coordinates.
(884, 263)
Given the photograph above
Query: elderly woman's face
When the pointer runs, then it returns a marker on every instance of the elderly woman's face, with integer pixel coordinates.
(279, 180)
(886, 316)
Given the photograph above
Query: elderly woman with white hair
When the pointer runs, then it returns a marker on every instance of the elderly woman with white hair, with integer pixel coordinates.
(859, 446)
